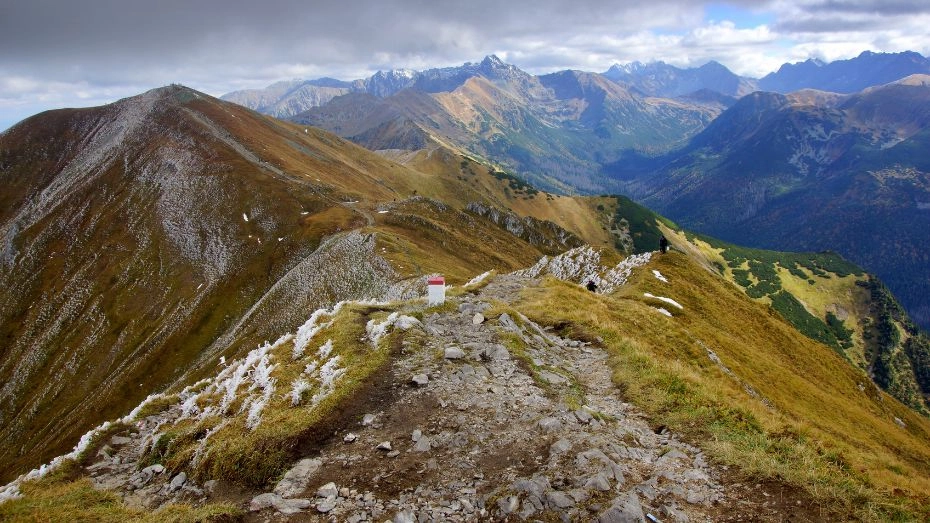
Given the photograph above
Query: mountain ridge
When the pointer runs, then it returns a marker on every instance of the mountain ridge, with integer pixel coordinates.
(260, 222)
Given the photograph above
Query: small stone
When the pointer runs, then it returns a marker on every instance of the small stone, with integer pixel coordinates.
(209, 486)
(507, 323)
(292, 506)
(422, 445)
(385, 446)
(368, 419)
(328, 490)
(177, 482)
(297, 478)
(559, 447)
(497, 353)
(673, 514)
(454, 353)
(419, 380)
(344, 492)
(508, 505)
(263, 501)
(559, 499)
(416, 435)
(552, 377)
(550, 424)
(673, 454)
(325, 506)
(623, 511)
(393, 454)
(404, 516)
(598, 482)
(583, 416)
(350, 437)
(695, 497)
(477, 319)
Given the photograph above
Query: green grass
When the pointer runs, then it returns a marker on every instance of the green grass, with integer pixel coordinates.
(642, 224)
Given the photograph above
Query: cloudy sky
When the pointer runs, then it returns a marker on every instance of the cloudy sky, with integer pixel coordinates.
(70, 53)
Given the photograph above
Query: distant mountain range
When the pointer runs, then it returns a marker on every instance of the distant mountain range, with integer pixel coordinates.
(815, 145)
(845, 76)
(556, 129)
(285, 99)
(662, 79)
(811, 171)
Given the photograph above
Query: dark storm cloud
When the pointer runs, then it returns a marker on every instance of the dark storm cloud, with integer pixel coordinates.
(839, 16)
(106, 33)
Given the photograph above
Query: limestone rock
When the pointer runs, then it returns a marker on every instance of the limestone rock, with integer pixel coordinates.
(296, 479)
(177, 482)
(508, 505)
(328, 490)
(624, 510)
(454, 353)
(559, 499)
(262, 501)
(419, 380)
(549, 424)
(422, 444)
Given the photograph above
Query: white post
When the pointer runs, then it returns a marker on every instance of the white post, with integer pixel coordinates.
(436, 290)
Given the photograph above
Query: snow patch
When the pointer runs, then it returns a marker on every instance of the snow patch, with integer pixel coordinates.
(245, 217)
(659, 276)
(298, 388)
(377, 330)
(478, 279)
(663, 311)
(325, 349)
(663, 298)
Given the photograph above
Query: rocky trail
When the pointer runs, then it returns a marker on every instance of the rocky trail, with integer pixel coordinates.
(480, 418)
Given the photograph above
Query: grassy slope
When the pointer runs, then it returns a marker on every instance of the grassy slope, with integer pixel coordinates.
(829, 300)
(824, 434)
(146, 336)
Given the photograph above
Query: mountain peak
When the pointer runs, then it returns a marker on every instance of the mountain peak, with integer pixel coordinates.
(492, 60)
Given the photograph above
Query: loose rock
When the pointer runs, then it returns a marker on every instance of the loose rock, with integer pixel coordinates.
(454, 353)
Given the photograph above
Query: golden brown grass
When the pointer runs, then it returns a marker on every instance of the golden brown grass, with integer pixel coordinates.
(841, 445)
(257, 457)
(67, 501)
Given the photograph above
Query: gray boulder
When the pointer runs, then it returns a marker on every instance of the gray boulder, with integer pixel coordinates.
(297, 478)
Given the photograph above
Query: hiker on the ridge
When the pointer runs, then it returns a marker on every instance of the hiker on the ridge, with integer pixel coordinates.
(591, 286)
(663, 245)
